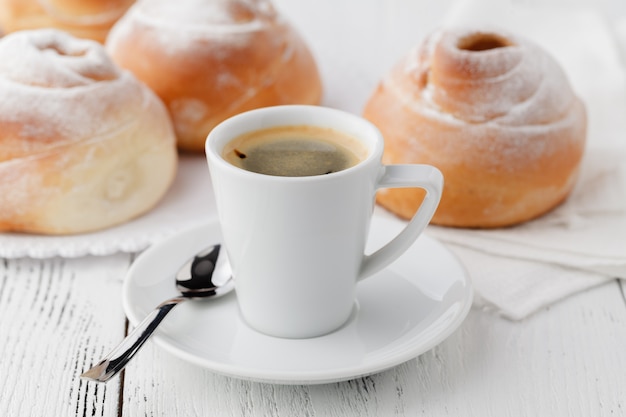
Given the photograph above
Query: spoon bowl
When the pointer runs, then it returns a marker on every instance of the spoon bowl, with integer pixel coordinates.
(206, 274)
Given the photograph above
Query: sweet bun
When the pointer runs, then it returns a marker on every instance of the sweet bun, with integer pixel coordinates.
(90, 19)
(495, 113)
(211, 59)
(83, 144)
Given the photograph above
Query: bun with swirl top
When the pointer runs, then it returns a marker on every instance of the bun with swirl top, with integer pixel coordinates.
(211, 59)
(83, 144)
(495, 113)
(90, 19)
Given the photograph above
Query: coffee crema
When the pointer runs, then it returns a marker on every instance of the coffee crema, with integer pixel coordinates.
(294, 151)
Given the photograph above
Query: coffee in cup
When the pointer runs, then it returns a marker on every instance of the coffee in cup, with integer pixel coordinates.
(294, 151)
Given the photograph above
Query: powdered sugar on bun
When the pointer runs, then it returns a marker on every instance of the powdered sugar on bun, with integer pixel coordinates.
(208, 16)
(54, 88)
(211, 59)
(83, 144)
(495, 113)
(42, 60)
(484, 76)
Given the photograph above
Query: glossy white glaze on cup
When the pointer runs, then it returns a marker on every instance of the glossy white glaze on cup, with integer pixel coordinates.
(296, 244)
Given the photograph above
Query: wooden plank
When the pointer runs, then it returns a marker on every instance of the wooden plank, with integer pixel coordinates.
(58, 316)
(564, 361)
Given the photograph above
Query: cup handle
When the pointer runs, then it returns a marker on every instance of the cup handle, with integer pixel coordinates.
(406, 176)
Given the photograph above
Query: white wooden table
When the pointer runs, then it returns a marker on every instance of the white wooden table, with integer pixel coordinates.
(59, 316)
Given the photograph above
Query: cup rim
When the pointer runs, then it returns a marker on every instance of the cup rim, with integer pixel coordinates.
(361, 129)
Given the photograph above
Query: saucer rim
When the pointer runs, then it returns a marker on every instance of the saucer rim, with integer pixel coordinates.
(211, 231)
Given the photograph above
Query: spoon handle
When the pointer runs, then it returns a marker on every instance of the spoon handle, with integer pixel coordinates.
(117, 359)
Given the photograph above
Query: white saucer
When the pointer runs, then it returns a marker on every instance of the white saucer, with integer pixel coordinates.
(400, 313)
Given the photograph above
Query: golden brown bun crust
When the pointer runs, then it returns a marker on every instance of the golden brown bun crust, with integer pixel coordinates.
(83, 145)
(495, 114)
(211, 60)
(91, 19)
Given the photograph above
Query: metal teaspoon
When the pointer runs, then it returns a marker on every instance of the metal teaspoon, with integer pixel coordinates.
(207, 274)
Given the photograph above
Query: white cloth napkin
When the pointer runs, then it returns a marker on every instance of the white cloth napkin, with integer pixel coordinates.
(517, 271)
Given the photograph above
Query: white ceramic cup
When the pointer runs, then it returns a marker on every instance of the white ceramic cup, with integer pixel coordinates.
(296, 244)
